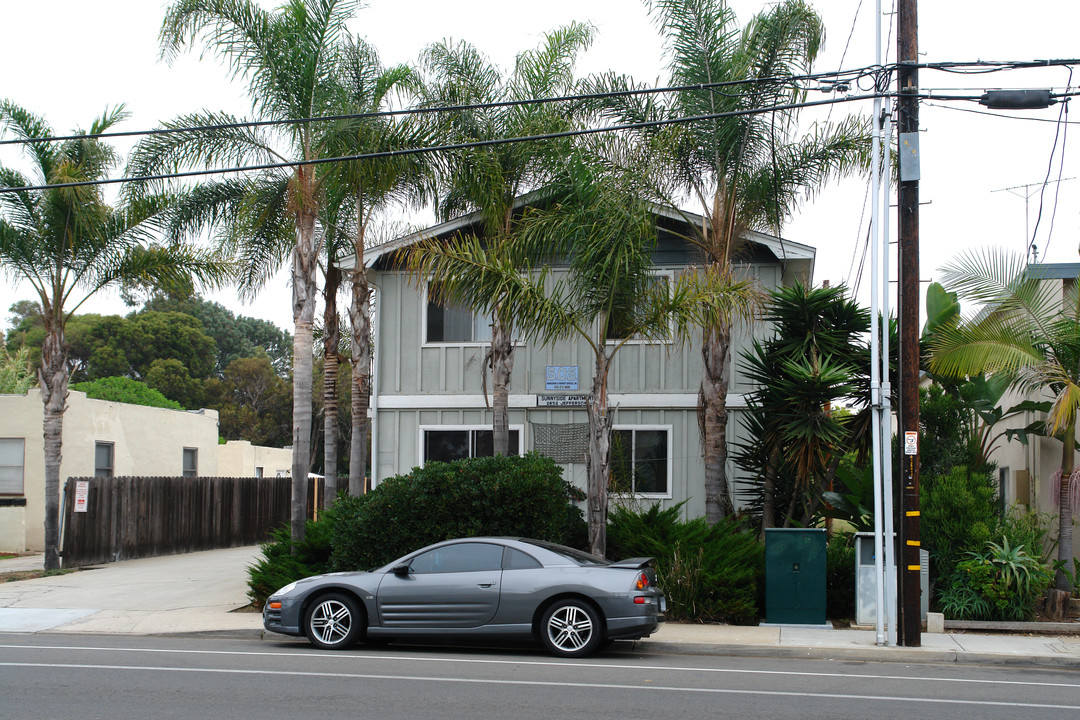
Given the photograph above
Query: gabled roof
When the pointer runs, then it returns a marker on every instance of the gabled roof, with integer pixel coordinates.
(783, 250)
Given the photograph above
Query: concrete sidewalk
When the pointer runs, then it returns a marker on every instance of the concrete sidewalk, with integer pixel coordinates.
(201, 593)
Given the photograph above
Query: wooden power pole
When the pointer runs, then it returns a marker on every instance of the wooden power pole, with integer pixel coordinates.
(909, 570)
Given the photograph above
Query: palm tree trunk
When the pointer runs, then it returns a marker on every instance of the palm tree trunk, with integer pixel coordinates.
(502, 366)
(599, 459)
(331, 339)
(360, 320)
(1062, 581)
(53, 378)
(715, 348)
(304, 294)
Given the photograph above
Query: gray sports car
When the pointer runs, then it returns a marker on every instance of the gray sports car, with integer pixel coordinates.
(509, 588)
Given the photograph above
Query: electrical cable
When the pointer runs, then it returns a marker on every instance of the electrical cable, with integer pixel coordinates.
(1063, 129)
(437, 148)
(842, 76)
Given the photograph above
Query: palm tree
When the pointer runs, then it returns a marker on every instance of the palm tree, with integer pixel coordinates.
(290, 59)
(363, 189)
(489, 180)
(1029, 333)
(746, 171)
(602, 228)
(68, 244)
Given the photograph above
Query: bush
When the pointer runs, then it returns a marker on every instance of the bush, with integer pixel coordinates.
(498, 496)
(279, 566)
(959, 515)
(125, 390)
(840, 576)
(709, 573)
(1000, 583)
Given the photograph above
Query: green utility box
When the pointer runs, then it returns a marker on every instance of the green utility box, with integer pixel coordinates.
(794, 576)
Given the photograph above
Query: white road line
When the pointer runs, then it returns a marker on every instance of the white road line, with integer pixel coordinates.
(538, 683)
(384, 657)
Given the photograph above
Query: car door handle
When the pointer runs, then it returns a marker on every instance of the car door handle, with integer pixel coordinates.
(486, 583)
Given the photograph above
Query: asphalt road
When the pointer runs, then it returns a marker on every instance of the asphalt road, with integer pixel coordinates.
(66, 676)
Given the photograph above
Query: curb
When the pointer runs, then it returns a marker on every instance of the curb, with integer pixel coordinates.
(875, 654)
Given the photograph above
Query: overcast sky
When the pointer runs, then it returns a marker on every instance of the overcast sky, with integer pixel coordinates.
(69, 59)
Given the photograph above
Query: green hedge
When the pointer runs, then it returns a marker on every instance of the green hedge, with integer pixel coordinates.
(498, 496)
(709, 573)
(280, 566)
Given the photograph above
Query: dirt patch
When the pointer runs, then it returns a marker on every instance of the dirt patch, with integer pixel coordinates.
(31, 574)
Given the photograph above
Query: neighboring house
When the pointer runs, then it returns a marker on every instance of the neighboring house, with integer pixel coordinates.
(1025, 472)
(428, 397)
(103, 438)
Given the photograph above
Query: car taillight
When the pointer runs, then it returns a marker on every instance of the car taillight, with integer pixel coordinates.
(642, 582)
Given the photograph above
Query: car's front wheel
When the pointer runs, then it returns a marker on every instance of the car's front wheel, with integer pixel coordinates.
(571, 628)
(334, 622)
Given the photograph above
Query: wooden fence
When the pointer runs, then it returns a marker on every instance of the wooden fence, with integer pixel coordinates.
(134, 517)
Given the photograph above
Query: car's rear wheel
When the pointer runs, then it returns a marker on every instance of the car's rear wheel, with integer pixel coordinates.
(334, 622)
(571, 628)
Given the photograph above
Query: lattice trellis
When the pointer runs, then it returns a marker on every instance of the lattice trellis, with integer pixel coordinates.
(563, 443)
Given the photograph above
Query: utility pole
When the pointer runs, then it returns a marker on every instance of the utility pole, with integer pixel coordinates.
(907, 46)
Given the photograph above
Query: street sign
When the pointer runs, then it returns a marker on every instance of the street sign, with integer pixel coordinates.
(911, 443)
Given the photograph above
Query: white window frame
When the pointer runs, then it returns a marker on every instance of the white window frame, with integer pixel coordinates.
(445, 343)
(183, 462)
(112, 458)
(670, 430)
(21, 469)
(638, 340)
(437, 428)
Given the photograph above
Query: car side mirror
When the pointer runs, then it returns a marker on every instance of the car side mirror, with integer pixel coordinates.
(402, 569)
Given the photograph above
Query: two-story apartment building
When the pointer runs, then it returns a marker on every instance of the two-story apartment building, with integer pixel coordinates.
(428, 393)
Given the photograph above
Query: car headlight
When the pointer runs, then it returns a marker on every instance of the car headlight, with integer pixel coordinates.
(285, 590)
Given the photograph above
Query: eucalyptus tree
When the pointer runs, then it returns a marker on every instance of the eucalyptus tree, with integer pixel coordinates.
(1028, 332)
(69, 244)
(289, 59)
(599, 233)
(489, 179)
(744, 162)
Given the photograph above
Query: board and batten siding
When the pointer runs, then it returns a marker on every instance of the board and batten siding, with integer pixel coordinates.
(407, 365)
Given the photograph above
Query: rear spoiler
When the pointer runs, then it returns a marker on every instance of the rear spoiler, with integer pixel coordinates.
(633, 563)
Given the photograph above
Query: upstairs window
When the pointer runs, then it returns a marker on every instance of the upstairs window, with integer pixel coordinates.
(454, 323)
(621, 325)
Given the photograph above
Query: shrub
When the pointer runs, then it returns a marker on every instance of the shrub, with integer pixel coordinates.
(840, 576)
(709, 573)
(125, 390)
(959, 515)
(1000, 583)
(498, 496)
(279, 566)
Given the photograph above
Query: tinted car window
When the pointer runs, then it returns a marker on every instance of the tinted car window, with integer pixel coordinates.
(575, 556)
(463, 557)
(517, 560)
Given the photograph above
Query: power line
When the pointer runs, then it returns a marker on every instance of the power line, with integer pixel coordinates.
(437, 148)
(839, 77)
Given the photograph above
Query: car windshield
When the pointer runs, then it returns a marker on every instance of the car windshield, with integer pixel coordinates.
(575, 556)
